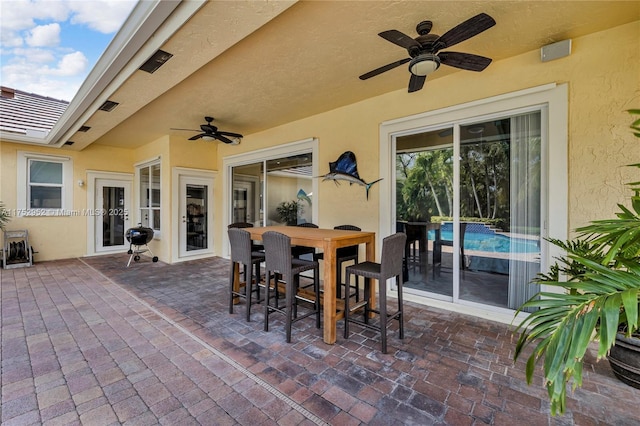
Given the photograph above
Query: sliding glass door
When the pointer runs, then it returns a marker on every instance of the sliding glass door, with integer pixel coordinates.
(276, 191)
(469, 198)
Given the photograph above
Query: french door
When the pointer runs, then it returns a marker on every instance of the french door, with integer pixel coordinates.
(195, 234)
(111, 213)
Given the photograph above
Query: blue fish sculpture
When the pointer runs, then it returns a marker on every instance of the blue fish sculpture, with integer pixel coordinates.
(303, 196)
(345, 168)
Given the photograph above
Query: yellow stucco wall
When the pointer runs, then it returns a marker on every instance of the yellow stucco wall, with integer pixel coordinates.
(603, 75)
(65, 236)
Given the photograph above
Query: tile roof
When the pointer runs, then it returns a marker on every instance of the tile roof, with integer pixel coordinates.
(29, 114)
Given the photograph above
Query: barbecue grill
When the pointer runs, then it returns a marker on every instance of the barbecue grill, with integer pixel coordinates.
(138, 238)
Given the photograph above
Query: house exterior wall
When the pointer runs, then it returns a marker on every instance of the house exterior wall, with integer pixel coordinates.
(603, 78)
(59, 237)
(603, 74)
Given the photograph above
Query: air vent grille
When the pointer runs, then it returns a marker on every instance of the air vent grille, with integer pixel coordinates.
(156, 61)
(108, 106)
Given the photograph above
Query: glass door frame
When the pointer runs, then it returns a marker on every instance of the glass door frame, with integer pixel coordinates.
(180, 176)
(552, 99)
(93, 178)
(100, 213)
(304, 146)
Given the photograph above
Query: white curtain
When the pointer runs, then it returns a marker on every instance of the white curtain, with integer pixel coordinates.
(525, 205)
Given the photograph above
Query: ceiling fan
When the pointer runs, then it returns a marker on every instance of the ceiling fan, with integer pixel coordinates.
(211, 132)
(423, 50)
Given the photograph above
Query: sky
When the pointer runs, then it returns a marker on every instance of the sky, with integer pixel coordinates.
(48, 47)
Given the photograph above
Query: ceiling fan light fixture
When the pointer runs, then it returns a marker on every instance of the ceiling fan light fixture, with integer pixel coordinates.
(208, 138)
(423, 65)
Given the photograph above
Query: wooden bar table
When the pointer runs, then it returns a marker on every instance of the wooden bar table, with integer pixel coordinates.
(328, 240)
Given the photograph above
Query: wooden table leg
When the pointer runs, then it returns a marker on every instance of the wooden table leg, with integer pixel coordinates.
(329, 300)
(236, 282)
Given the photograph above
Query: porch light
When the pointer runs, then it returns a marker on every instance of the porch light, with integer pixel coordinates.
(423, 65)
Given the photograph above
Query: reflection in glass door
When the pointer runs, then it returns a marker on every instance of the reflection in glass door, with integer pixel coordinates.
(247, 194)
(268, 185)
(196, 217)
(479, 242)
(194, 237)
(113, 220)
(424, 173)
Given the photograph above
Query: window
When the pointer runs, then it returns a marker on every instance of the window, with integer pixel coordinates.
(149, 194)
(44, 183)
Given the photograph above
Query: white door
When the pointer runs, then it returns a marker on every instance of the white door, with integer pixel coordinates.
(112, 207)
(195, 237)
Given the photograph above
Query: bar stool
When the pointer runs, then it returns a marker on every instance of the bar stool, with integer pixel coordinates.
(390, 266)
(279, 262)
(299, 251)
(343, 255)
(242, 254)
(254, 245)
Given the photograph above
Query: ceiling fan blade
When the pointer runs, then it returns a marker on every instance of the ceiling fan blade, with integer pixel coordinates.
(188, 130)
(193, 138)
(466, 30)
(233, 135)
(465, 61)
(416, 82)
(223, 138)
(400, 39)
(384, 68)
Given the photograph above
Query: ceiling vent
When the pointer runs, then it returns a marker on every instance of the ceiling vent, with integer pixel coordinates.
(156, 61)
(108, 106)
(69, 142)
(84, 128)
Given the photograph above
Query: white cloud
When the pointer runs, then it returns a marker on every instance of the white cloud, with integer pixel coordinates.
(44, 36)
(20, 15)
(105, 16)
(37, 54)
(35, 57)
(72, 64)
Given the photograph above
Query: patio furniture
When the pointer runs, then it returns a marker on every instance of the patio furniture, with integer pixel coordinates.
(390, 266)
(242, 225)
(299, 251)
(437, 251)
(243, 254)
(416, 246)
(283, 268)
(329, 240)
(343, 255)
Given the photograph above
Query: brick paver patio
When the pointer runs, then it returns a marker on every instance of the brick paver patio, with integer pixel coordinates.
(90, 341)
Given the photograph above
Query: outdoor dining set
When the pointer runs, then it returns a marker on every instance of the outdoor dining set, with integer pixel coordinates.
(277, 269)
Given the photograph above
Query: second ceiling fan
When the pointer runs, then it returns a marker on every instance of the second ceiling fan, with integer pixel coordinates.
(211, 132)
(424, 51)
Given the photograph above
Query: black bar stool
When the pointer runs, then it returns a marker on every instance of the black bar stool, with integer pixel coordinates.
(390, 266)
(243, 255)
(280, 263)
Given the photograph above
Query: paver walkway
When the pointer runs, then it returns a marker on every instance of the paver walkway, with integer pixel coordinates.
(90, 341)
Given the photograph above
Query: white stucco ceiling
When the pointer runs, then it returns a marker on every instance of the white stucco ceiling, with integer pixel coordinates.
(255, 65)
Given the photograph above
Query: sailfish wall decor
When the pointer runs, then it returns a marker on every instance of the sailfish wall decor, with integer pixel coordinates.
(345, 168)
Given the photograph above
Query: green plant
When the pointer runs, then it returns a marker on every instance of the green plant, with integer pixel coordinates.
(600, 282)
(289, 210)
(5, 216)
